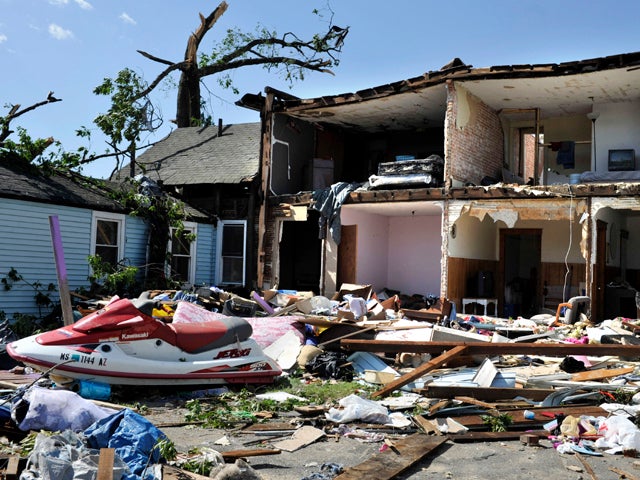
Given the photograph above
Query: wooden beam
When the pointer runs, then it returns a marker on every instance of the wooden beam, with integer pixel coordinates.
(487, 394)
(420, 371)
(393, 461)
(105, 464)
(235, 454)
(486, 348)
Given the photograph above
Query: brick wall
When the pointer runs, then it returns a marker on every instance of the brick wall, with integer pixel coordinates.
(474, 144)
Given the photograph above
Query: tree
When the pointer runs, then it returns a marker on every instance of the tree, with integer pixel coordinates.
(238, 49)
(128, 116)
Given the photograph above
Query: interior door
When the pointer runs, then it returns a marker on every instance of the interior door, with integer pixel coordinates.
(347, 255)
(300, 250)
(520, 264)
(597, 302)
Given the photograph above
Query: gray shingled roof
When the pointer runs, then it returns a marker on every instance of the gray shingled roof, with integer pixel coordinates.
(198, 155)
(24, 182)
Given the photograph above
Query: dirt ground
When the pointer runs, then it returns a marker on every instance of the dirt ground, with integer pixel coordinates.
(463, 461)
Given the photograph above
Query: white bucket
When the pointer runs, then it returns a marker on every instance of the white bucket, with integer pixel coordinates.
(574, 178)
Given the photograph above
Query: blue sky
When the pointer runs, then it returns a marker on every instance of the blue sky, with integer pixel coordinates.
(69, 46)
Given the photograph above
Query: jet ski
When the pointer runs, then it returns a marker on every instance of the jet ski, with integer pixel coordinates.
(124, 344)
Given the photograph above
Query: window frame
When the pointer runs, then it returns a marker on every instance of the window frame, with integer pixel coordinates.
(192, 228)
(219, 259)
(108, 217)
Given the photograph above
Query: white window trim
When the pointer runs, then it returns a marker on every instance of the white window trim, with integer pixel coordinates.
(220, 230)
(193, 228)
(109, 217)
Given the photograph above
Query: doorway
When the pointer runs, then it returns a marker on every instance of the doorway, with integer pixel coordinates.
(300, 250)
(520, 263)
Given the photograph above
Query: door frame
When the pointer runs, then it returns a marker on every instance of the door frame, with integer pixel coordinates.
(500, 280)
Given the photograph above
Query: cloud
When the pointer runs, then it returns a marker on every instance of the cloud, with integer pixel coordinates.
(59, 33)
(3, 38)
(83, 4)
(124, 16)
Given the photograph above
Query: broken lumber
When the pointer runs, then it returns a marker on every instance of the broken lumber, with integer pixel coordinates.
(486, 348)
(487, 393)
(600, 374)
(235, 454)
(393, 461)
(105, 464)
(419, 371)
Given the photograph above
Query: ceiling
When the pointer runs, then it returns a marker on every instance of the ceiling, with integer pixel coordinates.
(398, 209)
(555, 95)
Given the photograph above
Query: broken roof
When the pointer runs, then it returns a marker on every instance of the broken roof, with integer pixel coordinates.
(205, 155)
(557, 89)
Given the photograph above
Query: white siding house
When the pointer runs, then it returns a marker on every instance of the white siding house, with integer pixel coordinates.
(27, 202)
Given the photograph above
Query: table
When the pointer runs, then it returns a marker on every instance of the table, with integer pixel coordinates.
(485, 302)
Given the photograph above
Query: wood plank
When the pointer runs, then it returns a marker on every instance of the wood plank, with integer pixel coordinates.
(489, 436)
(541, 416)
(420, 371)
(486, 348)
(600, 374)
(258, 452)
(487, 394)
(393, 461)
(105, 464)
(12, 473)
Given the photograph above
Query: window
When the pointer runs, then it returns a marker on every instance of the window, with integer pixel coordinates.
(107, 237)
(232, 240)
(182, 254)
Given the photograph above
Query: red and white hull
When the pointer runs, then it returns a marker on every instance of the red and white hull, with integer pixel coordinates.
(116, 347)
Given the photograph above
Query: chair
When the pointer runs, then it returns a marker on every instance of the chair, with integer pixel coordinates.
(574, 307)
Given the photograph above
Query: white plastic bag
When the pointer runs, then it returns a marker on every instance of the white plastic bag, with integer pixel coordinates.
(358, 408)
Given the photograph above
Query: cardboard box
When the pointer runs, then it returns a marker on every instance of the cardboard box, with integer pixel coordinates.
(363, 291)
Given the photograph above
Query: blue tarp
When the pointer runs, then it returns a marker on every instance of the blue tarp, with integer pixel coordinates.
(132, 436)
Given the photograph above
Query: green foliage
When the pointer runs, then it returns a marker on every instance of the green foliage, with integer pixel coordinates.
(230, 409)
(42, 293)
(497, 423)
(161, 213)
(115, 279)
(126, 117)
(167, 449)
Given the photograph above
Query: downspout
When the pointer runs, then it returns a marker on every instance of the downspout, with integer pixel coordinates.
(265, 171)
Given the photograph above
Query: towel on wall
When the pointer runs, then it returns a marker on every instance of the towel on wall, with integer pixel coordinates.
(566, 153)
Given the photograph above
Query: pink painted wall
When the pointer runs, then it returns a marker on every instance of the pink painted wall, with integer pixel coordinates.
(400, 253)
(414, 254)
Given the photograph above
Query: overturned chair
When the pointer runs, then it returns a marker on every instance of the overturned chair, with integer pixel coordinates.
(572, 310)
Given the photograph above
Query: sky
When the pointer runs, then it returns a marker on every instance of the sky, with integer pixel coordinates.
(70, 46)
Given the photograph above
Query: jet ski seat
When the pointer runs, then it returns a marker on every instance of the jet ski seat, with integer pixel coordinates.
(199, 337)
(144, 303)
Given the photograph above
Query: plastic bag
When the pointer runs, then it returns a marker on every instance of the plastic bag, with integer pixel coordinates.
(64, 457)
(358, 408)
(55, 410)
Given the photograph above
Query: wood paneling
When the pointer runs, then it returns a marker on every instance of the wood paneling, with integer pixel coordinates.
(460, 271)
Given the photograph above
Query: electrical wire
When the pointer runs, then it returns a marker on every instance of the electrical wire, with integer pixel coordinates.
(566, 256)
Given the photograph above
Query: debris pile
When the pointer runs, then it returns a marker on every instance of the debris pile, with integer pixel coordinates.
(420, 375)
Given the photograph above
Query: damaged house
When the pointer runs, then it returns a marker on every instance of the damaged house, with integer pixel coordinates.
(506, 189)
(216, 169)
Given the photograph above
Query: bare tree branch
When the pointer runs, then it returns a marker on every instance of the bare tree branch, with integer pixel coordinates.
(14, 113)
(304, 55)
